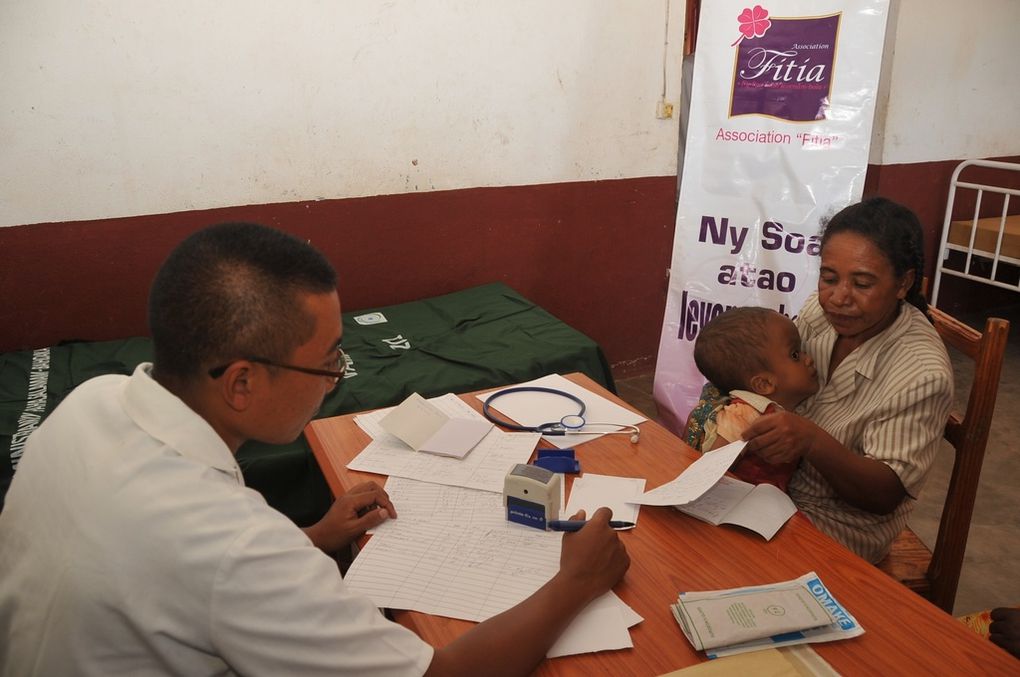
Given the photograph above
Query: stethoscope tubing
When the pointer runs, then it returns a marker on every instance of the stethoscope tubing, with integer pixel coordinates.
(553, 428)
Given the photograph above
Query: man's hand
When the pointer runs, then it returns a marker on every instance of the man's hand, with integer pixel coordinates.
(361, 508)
(1005, 629)
(781, 437)
(594, 557)
(514, 642)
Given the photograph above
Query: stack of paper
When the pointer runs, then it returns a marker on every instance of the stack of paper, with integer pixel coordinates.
(452, 552)
(724, 622)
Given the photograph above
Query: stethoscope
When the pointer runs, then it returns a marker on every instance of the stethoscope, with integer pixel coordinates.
(571, 424)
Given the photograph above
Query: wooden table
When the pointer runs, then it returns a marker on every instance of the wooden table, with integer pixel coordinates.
(672, 552)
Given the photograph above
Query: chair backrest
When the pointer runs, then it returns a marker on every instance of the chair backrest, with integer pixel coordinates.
(969, 436)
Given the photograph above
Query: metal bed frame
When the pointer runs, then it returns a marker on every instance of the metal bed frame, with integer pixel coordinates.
(969, 248)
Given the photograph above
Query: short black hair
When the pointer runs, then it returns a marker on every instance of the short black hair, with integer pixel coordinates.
(894, 229)
(729, 349)
(232, 291)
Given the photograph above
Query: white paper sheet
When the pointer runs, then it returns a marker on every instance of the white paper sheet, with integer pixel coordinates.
(420, 501)
(448, 570)
(591, 492)
(449, 404)
(698, 478)
(714, 504)
(414, 420)
(601, 626)
(484, 468)
(533, 409)
(763, 508)
(424, 427)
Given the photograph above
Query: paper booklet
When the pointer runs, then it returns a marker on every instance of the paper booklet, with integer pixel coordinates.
(423, 427)
(763, 509)
(703, 491)
(724, 622)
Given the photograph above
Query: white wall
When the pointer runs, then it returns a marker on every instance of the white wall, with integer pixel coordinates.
(125, 108)
(953, 82)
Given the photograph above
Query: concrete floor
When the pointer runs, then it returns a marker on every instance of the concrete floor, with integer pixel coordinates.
(991, 570)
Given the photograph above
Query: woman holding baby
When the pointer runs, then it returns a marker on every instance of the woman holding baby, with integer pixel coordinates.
(867, 439)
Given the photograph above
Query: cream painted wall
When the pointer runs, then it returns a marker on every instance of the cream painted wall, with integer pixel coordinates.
(952, 80)
(125, 108)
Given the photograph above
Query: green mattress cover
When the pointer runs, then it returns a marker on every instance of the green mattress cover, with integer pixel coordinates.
(472, 339)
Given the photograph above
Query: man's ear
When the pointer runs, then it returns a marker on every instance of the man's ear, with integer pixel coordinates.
(762, 383)
(237, 385)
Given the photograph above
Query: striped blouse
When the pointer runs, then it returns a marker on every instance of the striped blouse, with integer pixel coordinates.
(888, 400)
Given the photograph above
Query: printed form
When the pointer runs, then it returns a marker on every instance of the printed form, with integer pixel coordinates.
(451, 552)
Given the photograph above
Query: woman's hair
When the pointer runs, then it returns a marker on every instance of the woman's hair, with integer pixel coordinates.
(894, 230)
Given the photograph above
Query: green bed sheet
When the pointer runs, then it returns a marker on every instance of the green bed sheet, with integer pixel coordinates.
(476, 338)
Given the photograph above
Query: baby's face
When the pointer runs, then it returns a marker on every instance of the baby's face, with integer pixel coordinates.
(794, 371)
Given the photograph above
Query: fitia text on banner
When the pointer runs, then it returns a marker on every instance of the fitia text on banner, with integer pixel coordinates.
(782, 102)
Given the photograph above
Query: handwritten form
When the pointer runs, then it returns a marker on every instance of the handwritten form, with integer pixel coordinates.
(452, 553)
(698, 478)
(446, 569)
(763, 508)
(429, 502)
(484, 468)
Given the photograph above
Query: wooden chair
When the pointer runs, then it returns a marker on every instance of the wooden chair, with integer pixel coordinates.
(936, 574)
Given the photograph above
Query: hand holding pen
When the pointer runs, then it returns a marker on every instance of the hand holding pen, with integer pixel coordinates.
(593, 557)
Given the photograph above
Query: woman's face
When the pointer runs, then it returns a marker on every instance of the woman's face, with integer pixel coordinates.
(858, 288)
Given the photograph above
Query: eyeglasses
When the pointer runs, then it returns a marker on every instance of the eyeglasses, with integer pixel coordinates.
(335, 374)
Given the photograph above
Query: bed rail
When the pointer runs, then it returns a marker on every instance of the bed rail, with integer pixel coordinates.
(980, 237)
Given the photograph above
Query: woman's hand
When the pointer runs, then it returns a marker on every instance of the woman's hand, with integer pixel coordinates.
(363, 507)
(781, 437)
(865, 483)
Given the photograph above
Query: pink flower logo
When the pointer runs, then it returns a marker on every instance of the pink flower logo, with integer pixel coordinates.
(753, 23)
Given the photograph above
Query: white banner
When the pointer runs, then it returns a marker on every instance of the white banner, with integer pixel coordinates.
(777, 139)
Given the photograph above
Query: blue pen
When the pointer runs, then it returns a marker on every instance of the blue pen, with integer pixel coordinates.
(575, 525)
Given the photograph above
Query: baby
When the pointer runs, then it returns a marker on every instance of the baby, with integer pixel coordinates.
(753, 356)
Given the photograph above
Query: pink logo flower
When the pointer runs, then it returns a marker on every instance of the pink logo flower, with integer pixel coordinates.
(753, 23)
